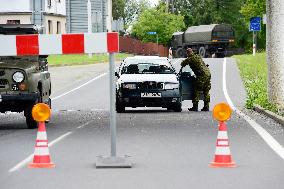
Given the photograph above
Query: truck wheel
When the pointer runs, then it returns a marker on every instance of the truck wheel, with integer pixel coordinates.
(31, 123)
(180, 53)
(202, 52)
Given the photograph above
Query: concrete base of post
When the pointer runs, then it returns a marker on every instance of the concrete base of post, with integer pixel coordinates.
(113, 162)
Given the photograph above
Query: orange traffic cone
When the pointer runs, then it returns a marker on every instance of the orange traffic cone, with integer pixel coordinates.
(41, 154)
(223, 156)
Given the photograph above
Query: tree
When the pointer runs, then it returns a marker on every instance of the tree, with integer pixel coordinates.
(118, 7)
(128, 10)
(157, 20)
(251, 9)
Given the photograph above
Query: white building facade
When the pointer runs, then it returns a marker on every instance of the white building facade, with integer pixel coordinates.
(50, 15)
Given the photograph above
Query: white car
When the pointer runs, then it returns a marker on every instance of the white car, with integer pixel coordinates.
(151, 81)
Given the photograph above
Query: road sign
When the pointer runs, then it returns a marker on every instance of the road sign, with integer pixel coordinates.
(255, 24)
(152, 33)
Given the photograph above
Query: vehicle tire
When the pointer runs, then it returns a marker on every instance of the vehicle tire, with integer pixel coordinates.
(177, 107)
(49, 104)
(120, 108)
(31, 123)
(180, 53)
(202, 52)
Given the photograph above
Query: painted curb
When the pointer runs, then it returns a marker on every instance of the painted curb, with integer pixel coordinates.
(279, 119)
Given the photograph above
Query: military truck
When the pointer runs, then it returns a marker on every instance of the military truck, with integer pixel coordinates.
(24, 80)
(206, 40)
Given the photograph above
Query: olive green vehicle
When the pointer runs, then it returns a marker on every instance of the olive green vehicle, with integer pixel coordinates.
(24, 80)
(205, 40)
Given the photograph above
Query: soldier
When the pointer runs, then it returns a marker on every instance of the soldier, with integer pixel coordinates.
(203, 79)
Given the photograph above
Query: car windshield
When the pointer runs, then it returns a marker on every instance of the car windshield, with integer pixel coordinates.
(147, 67)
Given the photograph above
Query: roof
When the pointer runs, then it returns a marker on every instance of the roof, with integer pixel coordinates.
(201, 28)
(178, 33)
(157, 59)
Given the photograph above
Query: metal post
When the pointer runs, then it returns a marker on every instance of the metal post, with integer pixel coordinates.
(112, 104)
(89, 7)
(113, 161)
(158, 45)
(253, 45)
(275, 51)
(109, 15)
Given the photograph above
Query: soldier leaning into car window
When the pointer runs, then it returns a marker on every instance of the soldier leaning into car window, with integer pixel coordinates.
(203, 79)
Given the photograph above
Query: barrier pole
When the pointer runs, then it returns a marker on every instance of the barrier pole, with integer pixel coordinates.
(112, 103)
(113, 161)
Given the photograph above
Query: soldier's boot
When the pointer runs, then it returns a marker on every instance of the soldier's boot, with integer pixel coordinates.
(194, 108)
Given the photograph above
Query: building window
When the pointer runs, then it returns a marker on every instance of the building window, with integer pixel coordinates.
(49, 3)
(50, 27)
(58, 27)
(13, 22)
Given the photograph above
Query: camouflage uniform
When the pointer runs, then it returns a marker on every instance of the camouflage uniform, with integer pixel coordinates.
(203, 79)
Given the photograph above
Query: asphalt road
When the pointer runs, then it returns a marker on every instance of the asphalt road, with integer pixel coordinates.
(168, 149)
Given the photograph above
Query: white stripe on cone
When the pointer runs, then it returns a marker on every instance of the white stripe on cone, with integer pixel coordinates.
(222, 151)
(41, 136)
(222, 135)
(223, 143)
(41, 144)
(41, 151)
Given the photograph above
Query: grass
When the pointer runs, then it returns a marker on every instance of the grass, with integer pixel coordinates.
(253, 71)
(82, 59)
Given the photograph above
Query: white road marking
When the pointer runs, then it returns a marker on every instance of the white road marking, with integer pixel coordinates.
(88, 82)
(52, 143)
(270, 141)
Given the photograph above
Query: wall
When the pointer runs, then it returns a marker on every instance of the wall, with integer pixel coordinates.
(134, 46)
(24, 19)
(77, 16)
(15, 6)
(56, 7)
(54, 20)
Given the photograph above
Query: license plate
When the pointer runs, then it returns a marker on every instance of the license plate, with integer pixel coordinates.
(151, 95)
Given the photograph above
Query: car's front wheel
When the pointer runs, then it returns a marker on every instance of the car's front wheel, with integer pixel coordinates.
(177, 107)
(119, 108)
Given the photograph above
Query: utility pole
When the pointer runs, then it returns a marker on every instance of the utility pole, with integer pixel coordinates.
(89, 7)
(109, 15)
(275, 51)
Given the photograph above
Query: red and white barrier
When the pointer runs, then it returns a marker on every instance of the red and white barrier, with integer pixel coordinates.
(24, 45)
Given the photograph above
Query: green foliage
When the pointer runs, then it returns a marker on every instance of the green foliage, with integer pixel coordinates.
(251, 9)
(157, 20)
(118, 7)
(254, 74)
(128, 10)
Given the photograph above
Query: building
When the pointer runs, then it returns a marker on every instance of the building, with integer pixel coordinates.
(49, 15)
(77, 15)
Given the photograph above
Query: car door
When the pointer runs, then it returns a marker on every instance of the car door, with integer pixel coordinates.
(187, 81)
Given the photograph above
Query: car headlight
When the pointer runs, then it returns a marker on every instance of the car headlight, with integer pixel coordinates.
(18, 77)
(129, 86)
(171, 86)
